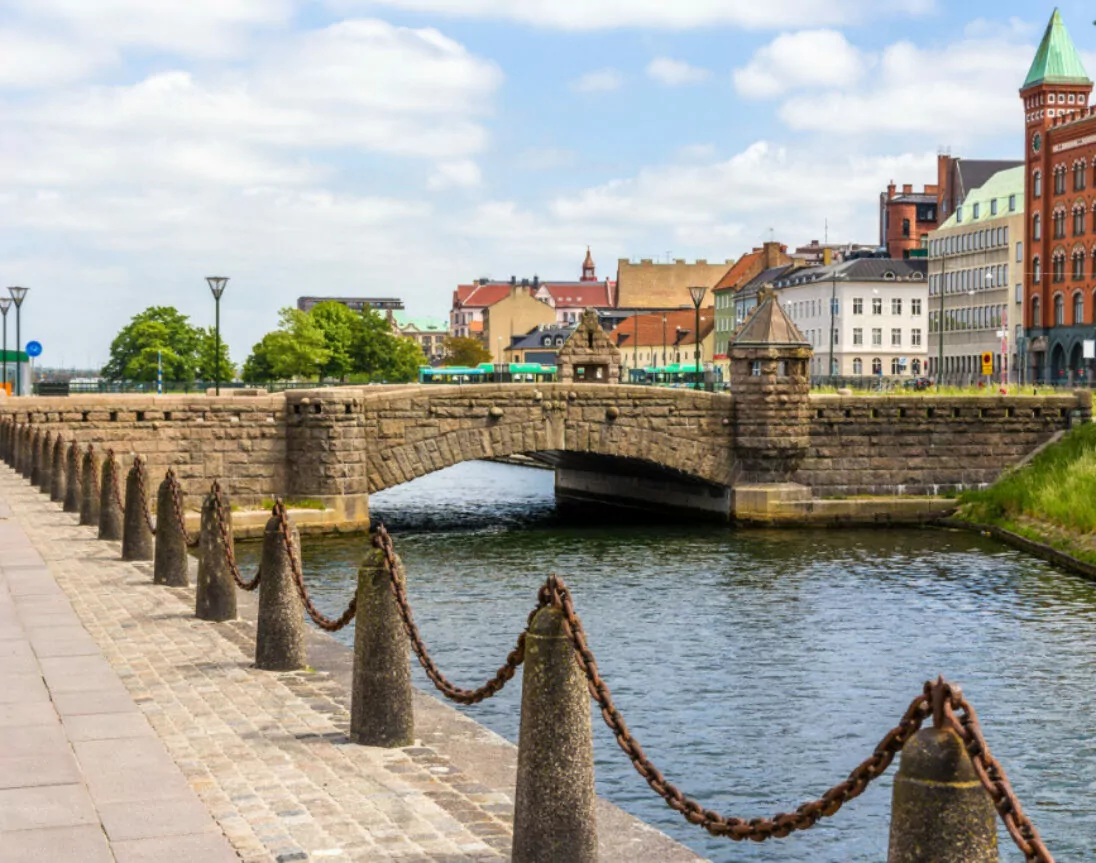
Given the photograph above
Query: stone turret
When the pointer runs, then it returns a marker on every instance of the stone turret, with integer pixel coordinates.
(770, 381)
(589, 355)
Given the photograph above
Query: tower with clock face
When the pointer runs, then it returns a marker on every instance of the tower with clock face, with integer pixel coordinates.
(1055, 97)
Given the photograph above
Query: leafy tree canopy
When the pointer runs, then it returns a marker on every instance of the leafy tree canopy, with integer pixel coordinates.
(460, 351)
(158, 329)
(207, 357)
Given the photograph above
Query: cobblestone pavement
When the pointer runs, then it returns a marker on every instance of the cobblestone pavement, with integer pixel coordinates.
(267, 753)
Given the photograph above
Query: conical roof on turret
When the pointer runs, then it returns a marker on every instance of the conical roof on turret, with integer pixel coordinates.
(1057, 60)
(768, 324)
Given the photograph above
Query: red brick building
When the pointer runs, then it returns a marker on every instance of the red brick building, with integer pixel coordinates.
(905, 218)
(1059, 251)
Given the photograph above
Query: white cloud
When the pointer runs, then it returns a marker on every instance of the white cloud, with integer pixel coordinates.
(808, 58)
(696, 152)
(463, 174)
(674, 73)
(202, 27)
(680, 14)
(29, 60)
(601, 81)
(958, 93)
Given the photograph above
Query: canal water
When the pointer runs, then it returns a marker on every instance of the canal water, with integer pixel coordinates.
(756, 667)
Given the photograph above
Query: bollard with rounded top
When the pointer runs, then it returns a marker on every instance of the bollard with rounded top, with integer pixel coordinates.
(34, 462)
(170, 566)
(72, 479)
(381, 713)
(57, 470)
(554, 801)
(216, 594)
(110, 513)
(18, 454)
(279, 636)
(89, 489)
(28, 452)
(940, 811)
(136, 533)
(45, 464)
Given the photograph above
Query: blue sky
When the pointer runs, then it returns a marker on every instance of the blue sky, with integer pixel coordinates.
(398, 147)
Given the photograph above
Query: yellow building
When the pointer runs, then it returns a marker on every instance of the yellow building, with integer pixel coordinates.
(514, 315)
(648, 285)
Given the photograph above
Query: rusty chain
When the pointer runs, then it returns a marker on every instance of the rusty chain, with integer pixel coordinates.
(113, 462)
(142, 494)
(383, 542)
(325, 623)
(948, 698)
(226, 541)
(177, 506)
(938, 699)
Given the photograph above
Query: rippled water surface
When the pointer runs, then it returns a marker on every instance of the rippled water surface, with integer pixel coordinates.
(757, 668)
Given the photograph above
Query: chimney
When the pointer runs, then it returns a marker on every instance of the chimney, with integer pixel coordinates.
(907, 188)
(890, 189)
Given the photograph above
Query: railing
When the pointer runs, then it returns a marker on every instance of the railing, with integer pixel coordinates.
(946, 792)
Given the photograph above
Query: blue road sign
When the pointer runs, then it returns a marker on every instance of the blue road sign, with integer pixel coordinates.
(34, 349)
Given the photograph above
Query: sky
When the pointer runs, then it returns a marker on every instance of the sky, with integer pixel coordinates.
(400, 147)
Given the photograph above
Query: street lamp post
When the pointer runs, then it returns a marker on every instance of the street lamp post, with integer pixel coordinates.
(697, 293)
(17, 295)
(663, 340)
(217, 287)
(5, 304)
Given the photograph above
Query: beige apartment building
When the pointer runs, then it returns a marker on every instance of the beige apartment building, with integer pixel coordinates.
(515, 314)
(976, 283)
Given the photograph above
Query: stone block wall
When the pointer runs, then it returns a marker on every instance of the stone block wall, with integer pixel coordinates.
(926, 445)
(239, 440)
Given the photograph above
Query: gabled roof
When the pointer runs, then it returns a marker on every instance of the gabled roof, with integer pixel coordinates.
(482, 295)
(999, 187)
(738, 272)
(535, 338)
(578, 294)
(1057, 60)
(972, 173)
(647, 330)
(768, 324)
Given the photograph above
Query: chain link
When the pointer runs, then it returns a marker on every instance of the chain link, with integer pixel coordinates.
(142, 494)
(113, 462)
(383, 542)
(325, 623)
(226, 541)
(177, 507)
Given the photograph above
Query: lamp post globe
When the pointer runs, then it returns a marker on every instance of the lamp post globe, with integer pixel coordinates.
(217, 287)
(697, 293)
(18, 294)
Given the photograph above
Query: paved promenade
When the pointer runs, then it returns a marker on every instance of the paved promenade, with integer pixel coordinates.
(131, 731)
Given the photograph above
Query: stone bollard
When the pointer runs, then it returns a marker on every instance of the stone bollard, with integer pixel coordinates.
(45, 464)
(28, 452)
(216, 595)
(136, 533)
(554, 801)
(35, 454)
(57, 471)
(89, 489)
(381, 713)
(18, 449)
(110, 513)
(939, 810)
(171, 561)
(279, 637)
(72, 479)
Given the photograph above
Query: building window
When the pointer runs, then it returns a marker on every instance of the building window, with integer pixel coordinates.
(1078, 308)
(858, 366)
(1020, 252)
(1012, 203)
(877, 366)
(1060, 180)
(1078, 265)
(915, 307)
(896, 366)
(1059, 310)
(1078, 221)
(858, 335)
(835, 306)
(877, 305)
(959, 213)
(1037, 184)
(1036, 227)
(905, 227)
(993, 207)
(915, 338)
(1036, 318)
(896, 305)
(755, 368)
(1079, 177)
(1036, 270)
(858, 305)
(877, 337)
(896, 337)
(1059, 224)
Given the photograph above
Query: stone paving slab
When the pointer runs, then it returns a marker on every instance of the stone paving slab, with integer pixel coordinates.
(158, 707)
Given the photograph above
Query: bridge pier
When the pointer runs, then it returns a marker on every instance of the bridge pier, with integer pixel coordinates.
(578, 489)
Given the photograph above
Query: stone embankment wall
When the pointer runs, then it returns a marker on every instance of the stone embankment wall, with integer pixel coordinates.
(926, 445)
(239, 440)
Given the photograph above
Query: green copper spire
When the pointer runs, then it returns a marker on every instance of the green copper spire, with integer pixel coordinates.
(1057, 60)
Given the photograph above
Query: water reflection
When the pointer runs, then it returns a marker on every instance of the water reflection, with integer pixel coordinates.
(757, 668)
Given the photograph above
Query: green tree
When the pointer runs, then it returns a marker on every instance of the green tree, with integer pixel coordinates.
(402, 361)
(340, 327)
(297, 348)
(258, 368)
(207, 357)
(460, 351)
(157, 330)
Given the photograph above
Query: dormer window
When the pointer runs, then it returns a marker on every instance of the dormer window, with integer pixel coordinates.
(888, 276)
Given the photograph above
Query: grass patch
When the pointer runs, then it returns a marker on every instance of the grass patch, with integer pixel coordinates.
(295, 503)
(1057, 487)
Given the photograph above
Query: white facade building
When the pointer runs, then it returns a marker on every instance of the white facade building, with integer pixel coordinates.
(865, 317)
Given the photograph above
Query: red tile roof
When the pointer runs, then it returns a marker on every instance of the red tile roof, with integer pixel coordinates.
(481, 296)
(579, 294)
(739, 271)
(650, 328)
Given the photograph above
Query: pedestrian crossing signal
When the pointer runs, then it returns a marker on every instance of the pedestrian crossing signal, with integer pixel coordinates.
(987, 363)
